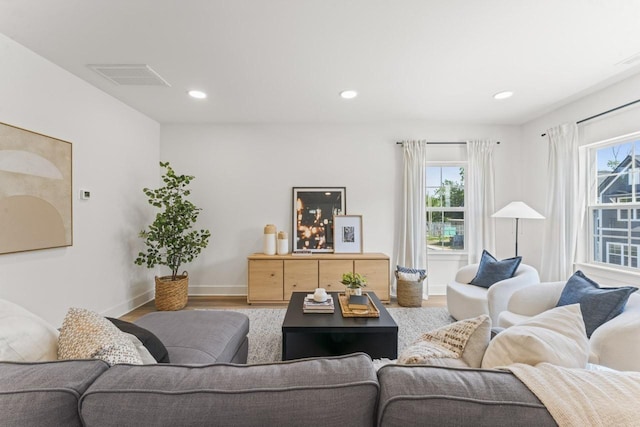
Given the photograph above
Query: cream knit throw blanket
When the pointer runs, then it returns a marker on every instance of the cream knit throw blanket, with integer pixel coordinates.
(579, 397)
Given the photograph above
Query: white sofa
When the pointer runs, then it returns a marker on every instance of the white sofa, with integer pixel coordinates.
(615, 344)
(465, 301)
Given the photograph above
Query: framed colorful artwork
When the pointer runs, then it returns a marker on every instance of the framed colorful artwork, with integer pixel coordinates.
(313, 212)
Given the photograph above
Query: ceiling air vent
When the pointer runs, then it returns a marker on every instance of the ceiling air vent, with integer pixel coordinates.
(129, 74)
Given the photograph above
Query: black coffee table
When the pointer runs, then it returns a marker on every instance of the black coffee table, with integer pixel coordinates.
(322, 334)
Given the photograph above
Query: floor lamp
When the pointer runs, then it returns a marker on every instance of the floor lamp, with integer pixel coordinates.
(517, 210)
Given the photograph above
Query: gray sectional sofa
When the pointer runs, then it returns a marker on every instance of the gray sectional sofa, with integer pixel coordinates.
(200, 336)
(335, 391)
(202, 387)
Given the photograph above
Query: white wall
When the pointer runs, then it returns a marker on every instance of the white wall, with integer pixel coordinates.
(535, 150)
(245, 174)
(115, 154)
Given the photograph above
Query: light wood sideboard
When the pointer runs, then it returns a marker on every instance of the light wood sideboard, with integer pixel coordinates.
(272, 278)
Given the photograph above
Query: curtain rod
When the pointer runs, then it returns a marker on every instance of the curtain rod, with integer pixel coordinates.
(604, 112)
(443, 142)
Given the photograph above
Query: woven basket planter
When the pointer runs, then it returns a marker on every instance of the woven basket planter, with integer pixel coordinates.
(409, 293)
(172, 295)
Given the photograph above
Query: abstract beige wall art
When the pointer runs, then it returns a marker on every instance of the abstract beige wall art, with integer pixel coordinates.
(35, 191)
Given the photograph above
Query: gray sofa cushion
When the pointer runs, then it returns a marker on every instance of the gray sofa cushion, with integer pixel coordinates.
(200, 336)
(334, 391)
(46, 393)
(411, 395)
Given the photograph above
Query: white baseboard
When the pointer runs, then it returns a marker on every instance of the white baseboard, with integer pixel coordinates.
(218, 290)
(439, 289)
(130, 305)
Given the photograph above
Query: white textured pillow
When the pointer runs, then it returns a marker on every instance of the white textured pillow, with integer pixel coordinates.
(409, 277)
(556, 336)
(477, 343)
(25, 337)
(460, 344)
(87, 335)
(146, 357)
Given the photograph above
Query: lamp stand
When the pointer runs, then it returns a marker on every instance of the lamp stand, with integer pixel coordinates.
(517, 236)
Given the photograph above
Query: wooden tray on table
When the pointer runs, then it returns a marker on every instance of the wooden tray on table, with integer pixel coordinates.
(347, 312)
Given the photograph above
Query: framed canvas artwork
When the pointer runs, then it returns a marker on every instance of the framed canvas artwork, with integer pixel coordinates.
(35, 191)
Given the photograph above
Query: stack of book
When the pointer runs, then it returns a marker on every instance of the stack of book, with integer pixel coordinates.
(358, 302)
(312, 306)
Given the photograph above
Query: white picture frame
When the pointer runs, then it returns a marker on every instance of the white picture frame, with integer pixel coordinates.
(347, 234)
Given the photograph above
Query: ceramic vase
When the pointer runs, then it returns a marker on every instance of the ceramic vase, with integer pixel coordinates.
(352, 291)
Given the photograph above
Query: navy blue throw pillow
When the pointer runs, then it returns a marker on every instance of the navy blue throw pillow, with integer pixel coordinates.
(598, 305)
(491, 270)
(147, 338)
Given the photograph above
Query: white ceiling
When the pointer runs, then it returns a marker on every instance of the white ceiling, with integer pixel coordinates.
(266, 61)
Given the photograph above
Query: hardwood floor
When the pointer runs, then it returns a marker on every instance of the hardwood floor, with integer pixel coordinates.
(231, 302)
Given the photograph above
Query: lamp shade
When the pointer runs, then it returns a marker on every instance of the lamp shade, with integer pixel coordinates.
(517, 210)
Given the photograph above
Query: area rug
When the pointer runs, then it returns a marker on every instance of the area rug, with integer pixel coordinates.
(265, 328)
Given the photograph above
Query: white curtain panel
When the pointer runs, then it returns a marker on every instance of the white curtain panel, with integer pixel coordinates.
(412, 236)
(563, 210)
(480, 199)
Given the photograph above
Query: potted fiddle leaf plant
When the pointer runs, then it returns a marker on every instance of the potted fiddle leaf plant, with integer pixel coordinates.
(354, 283)
(171, 239)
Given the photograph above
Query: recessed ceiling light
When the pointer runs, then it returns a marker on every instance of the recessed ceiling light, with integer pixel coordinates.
(348, 94)
(198, 94)
(503, 95)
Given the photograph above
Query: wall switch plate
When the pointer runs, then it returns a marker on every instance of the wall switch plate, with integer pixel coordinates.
(85, 194)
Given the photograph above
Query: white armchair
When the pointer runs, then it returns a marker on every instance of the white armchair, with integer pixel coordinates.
(524, 305)
(614, 344)
(465, 300)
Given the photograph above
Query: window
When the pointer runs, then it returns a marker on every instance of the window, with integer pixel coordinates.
(620, 254)
(614, 208)
(445, 207)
